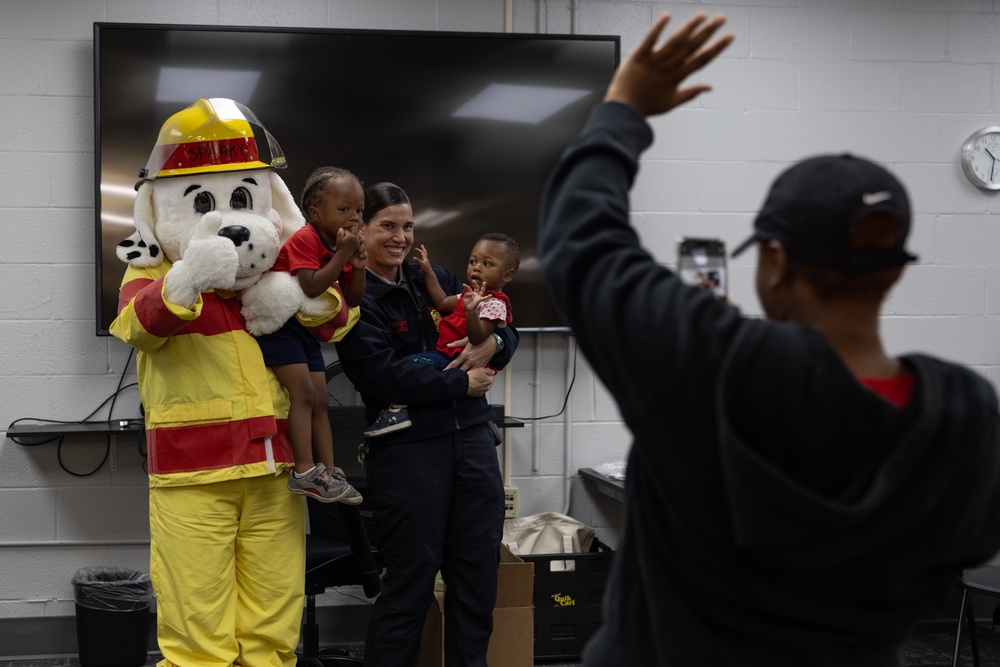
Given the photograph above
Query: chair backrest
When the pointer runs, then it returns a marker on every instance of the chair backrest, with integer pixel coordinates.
(336, 521)
(349, 528)
(347, 419)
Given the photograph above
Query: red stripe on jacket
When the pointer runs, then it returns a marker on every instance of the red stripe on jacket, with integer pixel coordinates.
(158, 321)
(171, 451)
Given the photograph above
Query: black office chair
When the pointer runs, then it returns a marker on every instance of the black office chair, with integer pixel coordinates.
(330, 563)
(347, 418)
(984, 580)
(338, 548)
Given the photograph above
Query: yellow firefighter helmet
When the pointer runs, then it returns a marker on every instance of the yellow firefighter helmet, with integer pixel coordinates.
(210, 136)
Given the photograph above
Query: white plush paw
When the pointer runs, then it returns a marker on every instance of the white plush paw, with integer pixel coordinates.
(270, 302)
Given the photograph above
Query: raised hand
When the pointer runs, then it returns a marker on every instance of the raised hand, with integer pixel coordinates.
(473, 296)
(422, 259)
(649, 79)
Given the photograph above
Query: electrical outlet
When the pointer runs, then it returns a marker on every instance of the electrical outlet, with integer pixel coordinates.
(510, 501)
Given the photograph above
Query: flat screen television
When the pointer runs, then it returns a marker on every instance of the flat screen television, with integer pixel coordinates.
(469, 124)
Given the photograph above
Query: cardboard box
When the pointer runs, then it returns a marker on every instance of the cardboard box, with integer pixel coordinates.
(512, 642)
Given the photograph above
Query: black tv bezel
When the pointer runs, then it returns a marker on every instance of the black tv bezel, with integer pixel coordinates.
(388, 33)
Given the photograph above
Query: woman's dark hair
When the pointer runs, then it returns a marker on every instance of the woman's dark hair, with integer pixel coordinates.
(380, 196)
(312, 192)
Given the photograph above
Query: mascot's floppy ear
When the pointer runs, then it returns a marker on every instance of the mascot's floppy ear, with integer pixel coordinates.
(141, 249)
(283, 203)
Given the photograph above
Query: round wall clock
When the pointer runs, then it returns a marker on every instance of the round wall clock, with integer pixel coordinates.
(981, 158)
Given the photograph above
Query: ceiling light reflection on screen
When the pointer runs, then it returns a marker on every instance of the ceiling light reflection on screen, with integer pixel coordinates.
(518, 104)
(432, 217)
(186, 84)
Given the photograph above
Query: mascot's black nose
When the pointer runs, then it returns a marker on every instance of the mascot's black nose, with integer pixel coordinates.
(238, 234)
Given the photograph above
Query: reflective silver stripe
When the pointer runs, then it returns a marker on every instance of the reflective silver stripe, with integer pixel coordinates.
(269, 453)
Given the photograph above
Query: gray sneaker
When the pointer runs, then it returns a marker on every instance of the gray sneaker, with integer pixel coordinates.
(338, 484)
(327, 485)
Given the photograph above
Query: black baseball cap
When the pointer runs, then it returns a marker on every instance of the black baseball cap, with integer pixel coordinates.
(813, 204)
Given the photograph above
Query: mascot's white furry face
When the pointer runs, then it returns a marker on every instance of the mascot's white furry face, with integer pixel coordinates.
(220, 231)
(168, 210)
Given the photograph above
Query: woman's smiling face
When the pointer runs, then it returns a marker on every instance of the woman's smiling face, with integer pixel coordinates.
(388, 239)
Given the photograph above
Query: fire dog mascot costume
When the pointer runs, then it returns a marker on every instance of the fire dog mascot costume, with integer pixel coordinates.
(227, 550)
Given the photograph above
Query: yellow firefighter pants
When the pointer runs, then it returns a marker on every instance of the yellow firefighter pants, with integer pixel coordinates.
(227, 562)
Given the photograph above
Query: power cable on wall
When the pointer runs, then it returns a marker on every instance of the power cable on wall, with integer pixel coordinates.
(565, 398)
(109, 402)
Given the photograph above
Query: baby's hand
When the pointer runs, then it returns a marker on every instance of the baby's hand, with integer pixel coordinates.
(473, 296)
(348, 240)
(422, 260)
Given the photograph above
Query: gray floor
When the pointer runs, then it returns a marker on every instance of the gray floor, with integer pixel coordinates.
(73, 661)
(931, 646)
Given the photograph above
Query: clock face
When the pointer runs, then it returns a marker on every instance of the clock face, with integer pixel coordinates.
(981, 158)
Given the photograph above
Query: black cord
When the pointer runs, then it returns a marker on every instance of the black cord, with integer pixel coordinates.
(114, 396)
(107, 451)
(572, 381)
(143, 451)
(86, 420)
(59, 439)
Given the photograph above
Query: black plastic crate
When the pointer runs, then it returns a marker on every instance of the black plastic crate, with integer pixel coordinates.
(568, 599)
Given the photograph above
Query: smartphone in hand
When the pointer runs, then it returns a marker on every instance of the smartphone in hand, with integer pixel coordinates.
(703, 262)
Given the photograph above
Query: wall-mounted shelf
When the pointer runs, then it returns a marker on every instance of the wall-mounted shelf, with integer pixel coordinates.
(501, 419)
(613, 488)
(43, 430)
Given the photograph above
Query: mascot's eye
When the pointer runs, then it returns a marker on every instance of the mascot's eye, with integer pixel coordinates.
(204, 202)
(241, 199)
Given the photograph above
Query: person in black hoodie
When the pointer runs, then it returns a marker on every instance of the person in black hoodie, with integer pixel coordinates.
(794, 495)
(435, 488)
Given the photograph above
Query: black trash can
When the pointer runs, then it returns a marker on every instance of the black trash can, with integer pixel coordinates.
(112, 615)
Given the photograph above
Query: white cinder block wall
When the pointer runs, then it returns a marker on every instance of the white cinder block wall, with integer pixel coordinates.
(901, 81)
